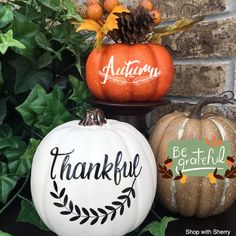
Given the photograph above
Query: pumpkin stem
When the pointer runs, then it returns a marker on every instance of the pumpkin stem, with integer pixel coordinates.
(196, 113)
(93, 116)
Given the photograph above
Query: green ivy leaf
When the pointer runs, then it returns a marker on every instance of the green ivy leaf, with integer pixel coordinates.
(6, 15)
(1, 77)
(28, 115)
(7, 182)
(80, 91)
(25, 32)
(6, 138)
(70, 7)
(44, 60)
(28, 214)
(44, 111)
(4, 233)
(53, 5)
(7, 40)
(54, 115)
(3, 106)
(27, 76)
(43, 42)
(157, 228)
(19, 165)
(62, 32)
(81, 110)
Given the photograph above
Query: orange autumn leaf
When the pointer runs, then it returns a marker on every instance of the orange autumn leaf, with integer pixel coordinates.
(212, 178)
(102, 30)
(90, 25)
(111, 21)
(214, 142)
(183, 179)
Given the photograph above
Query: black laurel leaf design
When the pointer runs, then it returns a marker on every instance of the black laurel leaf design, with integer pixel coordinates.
(133, 193)
(94, 221)
(77, 210)
(113, 215)
(126, 190)
(76, 213)
(65, 199)
(55, 186)
(62, 193)
(84, 220)
(65, 212)
(74, 218)
(94, 212)
(54, 195)
(128, 202)
(110, 208)
(122, 197)
(116, 203)
(71, 206)
(102, 211)
(122, 208)
(85, 211)
(57, 204)
(104, 219)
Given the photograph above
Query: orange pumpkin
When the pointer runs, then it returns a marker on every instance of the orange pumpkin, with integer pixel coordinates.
(198, 196)
(126, 73)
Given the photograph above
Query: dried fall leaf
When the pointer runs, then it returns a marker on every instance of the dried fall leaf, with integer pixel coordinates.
(156, 38)
(212, 178)
(183, 180)
(180, 25)
(111, 21)
(90, 25)
(102, 30)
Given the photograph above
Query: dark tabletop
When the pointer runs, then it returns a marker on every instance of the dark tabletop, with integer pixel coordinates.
(180, 227)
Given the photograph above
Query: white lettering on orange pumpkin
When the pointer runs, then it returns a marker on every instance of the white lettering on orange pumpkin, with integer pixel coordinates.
(131, 69)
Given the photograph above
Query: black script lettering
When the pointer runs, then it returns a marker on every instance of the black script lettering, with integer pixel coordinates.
(127, 169)
(65, 166)
(82, 173)
(55, 152)
(107, 167)
(135, 164)
(106, 170)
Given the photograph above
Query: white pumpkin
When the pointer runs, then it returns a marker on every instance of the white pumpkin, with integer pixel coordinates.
(93, 178)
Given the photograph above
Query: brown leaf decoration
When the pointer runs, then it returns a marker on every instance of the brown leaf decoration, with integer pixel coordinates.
(179, 176)
(231, 159)
(231, 173)
(167, 161)
(102, 30)
(179, 26)
(217, 176)
(165, 173)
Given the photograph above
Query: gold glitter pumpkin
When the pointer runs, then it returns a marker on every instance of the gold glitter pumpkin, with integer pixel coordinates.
(199, 196)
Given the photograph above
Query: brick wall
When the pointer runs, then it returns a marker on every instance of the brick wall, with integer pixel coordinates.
(205, 56)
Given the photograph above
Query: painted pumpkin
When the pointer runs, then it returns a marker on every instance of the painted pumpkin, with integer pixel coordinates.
(126, 73)
(199, 196)
(94, 177)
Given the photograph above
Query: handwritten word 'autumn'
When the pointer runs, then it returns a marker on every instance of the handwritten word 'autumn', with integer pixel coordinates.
(131, 69)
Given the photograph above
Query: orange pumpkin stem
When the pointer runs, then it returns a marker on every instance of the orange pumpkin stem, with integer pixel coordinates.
(196, 113)
(92, 117)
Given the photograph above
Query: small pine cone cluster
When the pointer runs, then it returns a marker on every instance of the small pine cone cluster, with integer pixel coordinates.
(133, 27)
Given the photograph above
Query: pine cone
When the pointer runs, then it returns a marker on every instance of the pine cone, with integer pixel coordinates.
(133, 27)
